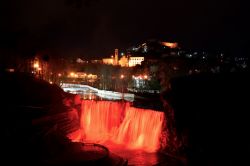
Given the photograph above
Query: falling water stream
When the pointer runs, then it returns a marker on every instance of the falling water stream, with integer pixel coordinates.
(130, 132)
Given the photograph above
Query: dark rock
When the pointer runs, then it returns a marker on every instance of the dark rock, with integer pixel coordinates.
(211, 114)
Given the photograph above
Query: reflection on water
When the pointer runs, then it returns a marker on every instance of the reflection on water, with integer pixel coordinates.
(142, 158)
(137, 157)
(134, 157)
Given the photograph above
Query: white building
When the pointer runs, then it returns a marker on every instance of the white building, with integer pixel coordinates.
(133, 61)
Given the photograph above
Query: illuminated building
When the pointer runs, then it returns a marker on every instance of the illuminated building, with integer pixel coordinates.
(123, 62)
(108, 61)
(111, 61)
(169, 44)
(82, 75)
(133, 61)
(96, 61)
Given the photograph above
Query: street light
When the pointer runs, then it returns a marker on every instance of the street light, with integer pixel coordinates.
(36, 65)
(72, 74)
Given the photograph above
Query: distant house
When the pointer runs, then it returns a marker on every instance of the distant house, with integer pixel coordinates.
(133, 61)
(108, 61)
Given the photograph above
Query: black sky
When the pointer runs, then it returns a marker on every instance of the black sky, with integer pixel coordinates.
(96, 27)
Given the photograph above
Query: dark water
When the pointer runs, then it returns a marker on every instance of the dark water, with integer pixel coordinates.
(141, 158)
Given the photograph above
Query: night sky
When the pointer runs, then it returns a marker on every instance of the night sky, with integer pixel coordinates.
(92, 28)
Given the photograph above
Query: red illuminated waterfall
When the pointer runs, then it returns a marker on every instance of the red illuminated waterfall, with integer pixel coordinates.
(117, 122)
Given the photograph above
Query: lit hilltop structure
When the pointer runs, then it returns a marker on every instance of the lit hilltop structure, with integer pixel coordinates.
(124, 61)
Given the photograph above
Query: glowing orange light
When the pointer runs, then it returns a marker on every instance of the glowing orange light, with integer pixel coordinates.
(72, 74)
(36, 65)
(122, 76)
(145, 77)
(39, 69)
(119, 123)
(59, 74)
(171, 45)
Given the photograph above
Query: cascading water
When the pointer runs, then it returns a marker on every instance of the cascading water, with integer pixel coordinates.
(121, 124)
